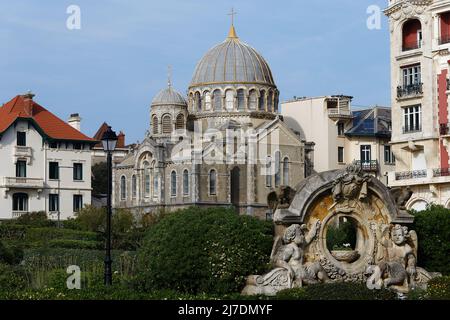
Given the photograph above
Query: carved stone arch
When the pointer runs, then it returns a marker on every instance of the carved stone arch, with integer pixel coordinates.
(155, 124)
(146, 152)
(414, 200)
(230, 95)
(348, 194)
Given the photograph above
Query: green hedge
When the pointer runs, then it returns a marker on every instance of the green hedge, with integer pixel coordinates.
(75, 244)
(336, 291)
(437, 289)
(203, 250)
(433, 230)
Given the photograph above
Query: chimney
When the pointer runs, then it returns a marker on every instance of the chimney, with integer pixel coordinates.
(121, 140)
(75, 121)
(28, 99)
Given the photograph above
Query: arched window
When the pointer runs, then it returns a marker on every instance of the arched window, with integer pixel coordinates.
(207, 98)
(123, 188)
(252, 100)
(179, 124)
(269, 172)
(262, 100)
(241, 99)
(155, 184)
(270, 101)
(133, 187)
(217, 101)
(146, 179)
(20, 202)
(185, 182)
(198, 102)
(275, 103)
(173, 184)
(277, 168)
(166, 124)
(229, 100)
(412, 35)
(155, 125)
(212, 182)
(286, 171)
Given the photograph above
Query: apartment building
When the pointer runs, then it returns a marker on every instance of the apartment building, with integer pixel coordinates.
(341, 135)
(420, 43)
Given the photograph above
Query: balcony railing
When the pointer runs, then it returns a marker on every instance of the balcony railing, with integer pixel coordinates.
(30, 183)
(444, 39)
(412, 129)
(369, 165)
(408, 175)
(448, 84)
(17, 214)
(336, 112)
(410, 90)
(441, 172)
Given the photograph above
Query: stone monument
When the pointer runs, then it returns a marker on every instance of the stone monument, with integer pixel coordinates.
(385, 251)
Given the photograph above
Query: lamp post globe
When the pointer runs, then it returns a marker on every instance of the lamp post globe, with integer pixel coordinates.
(109, 141)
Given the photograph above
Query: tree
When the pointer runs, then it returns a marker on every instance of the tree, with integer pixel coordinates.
(100, 178)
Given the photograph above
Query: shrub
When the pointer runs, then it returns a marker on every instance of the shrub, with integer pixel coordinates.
(75, 244)
(12, 278)
(203, 250)
(336, 291)
(433, 230)
(35, 219)
(12, 232)
(10, 255)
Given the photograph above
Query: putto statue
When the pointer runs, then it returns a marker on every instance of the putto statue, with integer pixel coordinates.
(288, 259)
(398, 271)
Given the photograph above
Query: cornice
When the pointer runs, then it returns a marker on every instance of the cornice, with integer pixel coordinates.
(407, 8)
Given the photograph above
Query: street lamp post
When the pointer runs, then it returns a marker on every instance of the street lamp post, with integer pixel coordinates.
(109, 141)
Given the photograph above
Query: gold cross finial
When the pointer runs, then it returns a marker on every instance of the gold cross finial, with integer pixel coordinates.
(232, 33)
(232, 14)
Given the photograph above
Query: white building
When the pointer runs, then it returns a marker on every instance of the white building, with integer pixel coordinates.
(342, 136)
(45, 163)
(420, 43)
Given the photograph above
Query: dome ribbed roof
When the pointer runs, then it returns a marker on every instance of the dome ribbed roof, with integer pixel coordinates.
(169, 96)
(232, 61)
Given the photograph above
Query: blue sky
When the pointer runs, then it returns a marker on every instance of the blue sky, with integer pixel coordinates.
(110, 69)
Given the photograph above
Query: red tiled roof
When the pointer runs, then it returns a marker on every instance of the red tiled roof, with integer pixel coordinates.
(24, 107)
(99, 135)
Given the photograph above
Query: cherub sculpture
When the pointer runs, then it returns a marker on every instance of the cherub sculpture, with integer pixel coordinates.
(288, 259)
(398, 271)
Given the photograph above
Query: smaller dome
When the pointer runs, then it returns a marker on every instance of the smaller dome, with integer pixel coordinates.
(169, 97)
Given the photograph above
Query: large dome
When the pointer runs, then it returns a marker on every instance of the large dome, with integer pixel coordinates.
(232, 61)
(169, 97)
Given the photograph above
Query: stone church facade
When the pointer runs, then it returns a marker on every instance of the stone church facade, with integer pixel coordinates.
(225, 144)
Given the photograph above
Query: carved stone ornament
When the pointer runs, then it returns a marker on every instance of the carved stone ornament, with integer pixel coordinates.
(385, 252)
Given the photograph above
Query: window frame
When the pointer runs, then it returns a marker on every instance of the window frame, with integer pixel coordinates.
(21, 139)
(21, 164)
(341, 155)
(53, 202)
(77, 168)
(77, 202)
(51, 175)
